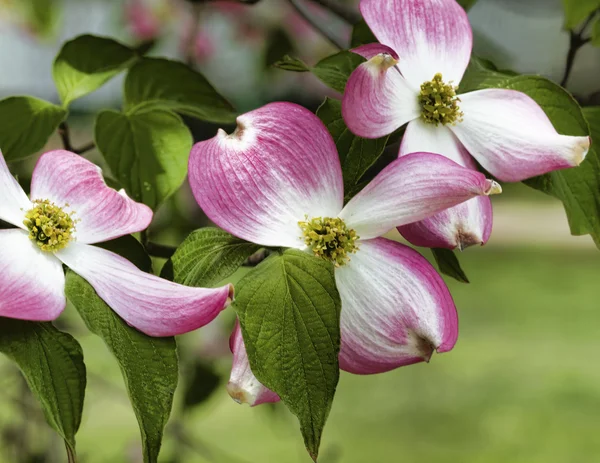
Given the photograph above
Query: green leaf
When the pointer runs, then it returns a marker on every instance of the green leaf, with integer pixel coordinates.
(357, 154)
(289, 311)
(576, 11)
(208, 256)
(362, 35)
(147, 152)
(201, 382)
(149, 365)
(596, 33)
(41, 16)
(26, 124)
(448, 264)
(160, 83)
(52, 363)
(335, 70)
(86, 63)
(481, 74)
(131, 249)
(279, 45)
(467, 4)
(291, 64)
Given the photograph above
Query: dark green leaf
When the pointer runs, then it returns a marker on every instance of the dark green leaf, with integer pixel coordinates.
(149, 365)
(131, 249)
(289, 310)
(160, 83)
(147, 152)
(448, 264)
(291, 64)
(86, 63)
(26, 124)
(576, 11)
(481, 74)
(335, 70)
(52, 363)
(467, 4)
(208, 256)
(357, 154)
(278, 46)
(362, 35)
(203, 381)
(596, 33)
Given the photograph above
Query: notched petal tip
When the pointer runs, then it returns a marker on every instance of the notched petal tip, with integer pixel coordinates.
(424, 347)
(493, 188)
(230, 296)
(381, 62)
(238, 394)
(581, 149)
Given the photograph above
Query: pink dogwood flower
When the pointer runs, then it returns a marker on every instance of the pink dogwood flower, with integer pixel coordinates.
(411, 77)
(277, 181)
(69, 209)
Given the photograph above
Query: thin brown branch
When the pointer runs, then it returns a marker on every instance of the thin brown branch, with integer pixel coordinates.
(65, 134)
(576, 41)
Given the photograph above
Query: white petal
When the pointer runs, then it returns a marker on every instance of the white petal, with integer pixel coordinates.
(13, 200)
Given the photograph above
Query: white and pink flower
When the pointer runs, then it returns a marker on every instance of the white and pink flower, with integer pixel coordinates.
(70, 208)
(410, 77)
(277, 181)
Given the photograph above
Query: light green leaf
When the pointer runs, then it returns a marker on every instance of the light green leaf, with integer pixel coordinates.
(147, 152)
(576, 11)
(448, 264)
(41, 16)
(288, 63)
(596, 33)
(149, 365)
(160, 83)
(289, 310)
(357, 154)
(86, 63)
(208, 256)
(52, 363)
(26, 124)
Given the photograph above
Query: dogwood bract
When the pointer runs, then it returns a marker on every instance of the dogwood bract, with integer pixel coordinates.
(69, 209)
(277, 181)
(412, 76)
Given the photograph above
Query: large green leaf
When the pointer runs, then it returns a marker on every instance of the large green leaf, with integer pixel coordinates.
(160, 83)
(448, 264)
(357, 154)
(576, 11)
(147, 152)
(86, 63)
(149, 365)
(208, 256)
(482, 73)
(289, 310)
(26, 124)
(52, 363)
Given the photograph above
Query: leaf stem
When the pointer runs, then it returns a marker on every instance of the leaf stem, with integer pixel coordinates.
(576, 41)
(342, 11)
(317, 25)
(71, 455)
(65, 134)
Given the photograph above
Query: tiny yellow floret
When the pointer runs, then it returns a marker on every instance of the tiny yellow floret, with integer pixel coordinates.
(330, 239)
(49, 226)
(439, 102)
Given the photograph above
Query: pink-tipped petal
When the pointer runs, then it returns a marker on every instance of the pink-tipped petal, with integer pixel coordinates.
(102, 213)
(13, 200)
(430, 36)
(396, 309)
(154, 306)
(279, 165)
(377, 99)
(32, 282)
(461, 226)
(412, 188)
(243, 387)
(511, 136)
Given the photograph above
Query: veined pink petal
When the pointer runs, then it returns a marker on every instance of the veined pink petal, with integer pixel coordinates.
(243, 387)
(102, 213)
(412, 188)
(154, 306)
(430, 36)
(32, 282)
(396, 309)
(511, 136)
(460, 226)
(377, 99)
(279, 165)
(13, 200)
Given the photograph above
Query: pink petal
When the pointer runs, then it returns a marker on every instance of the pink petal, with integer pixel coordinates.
(243, 387)
(396, 309)
(370, 50)
(279, 165)
(32, 282)
(511, 136)
(460, 226)
(377, 99)
(102, 213)
(154, 306)
(430, 36)
(412, 188)
(13, 200)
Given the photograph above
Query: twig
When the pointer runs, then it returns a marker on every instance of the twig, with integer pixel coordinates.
(343, 11)
(65, 134)
(576, 42)
(321, 28)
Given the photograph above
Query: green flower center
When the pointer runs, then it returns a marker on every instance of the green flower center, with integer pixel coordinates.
(49, 226)
(439, 102)
(329, 238)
